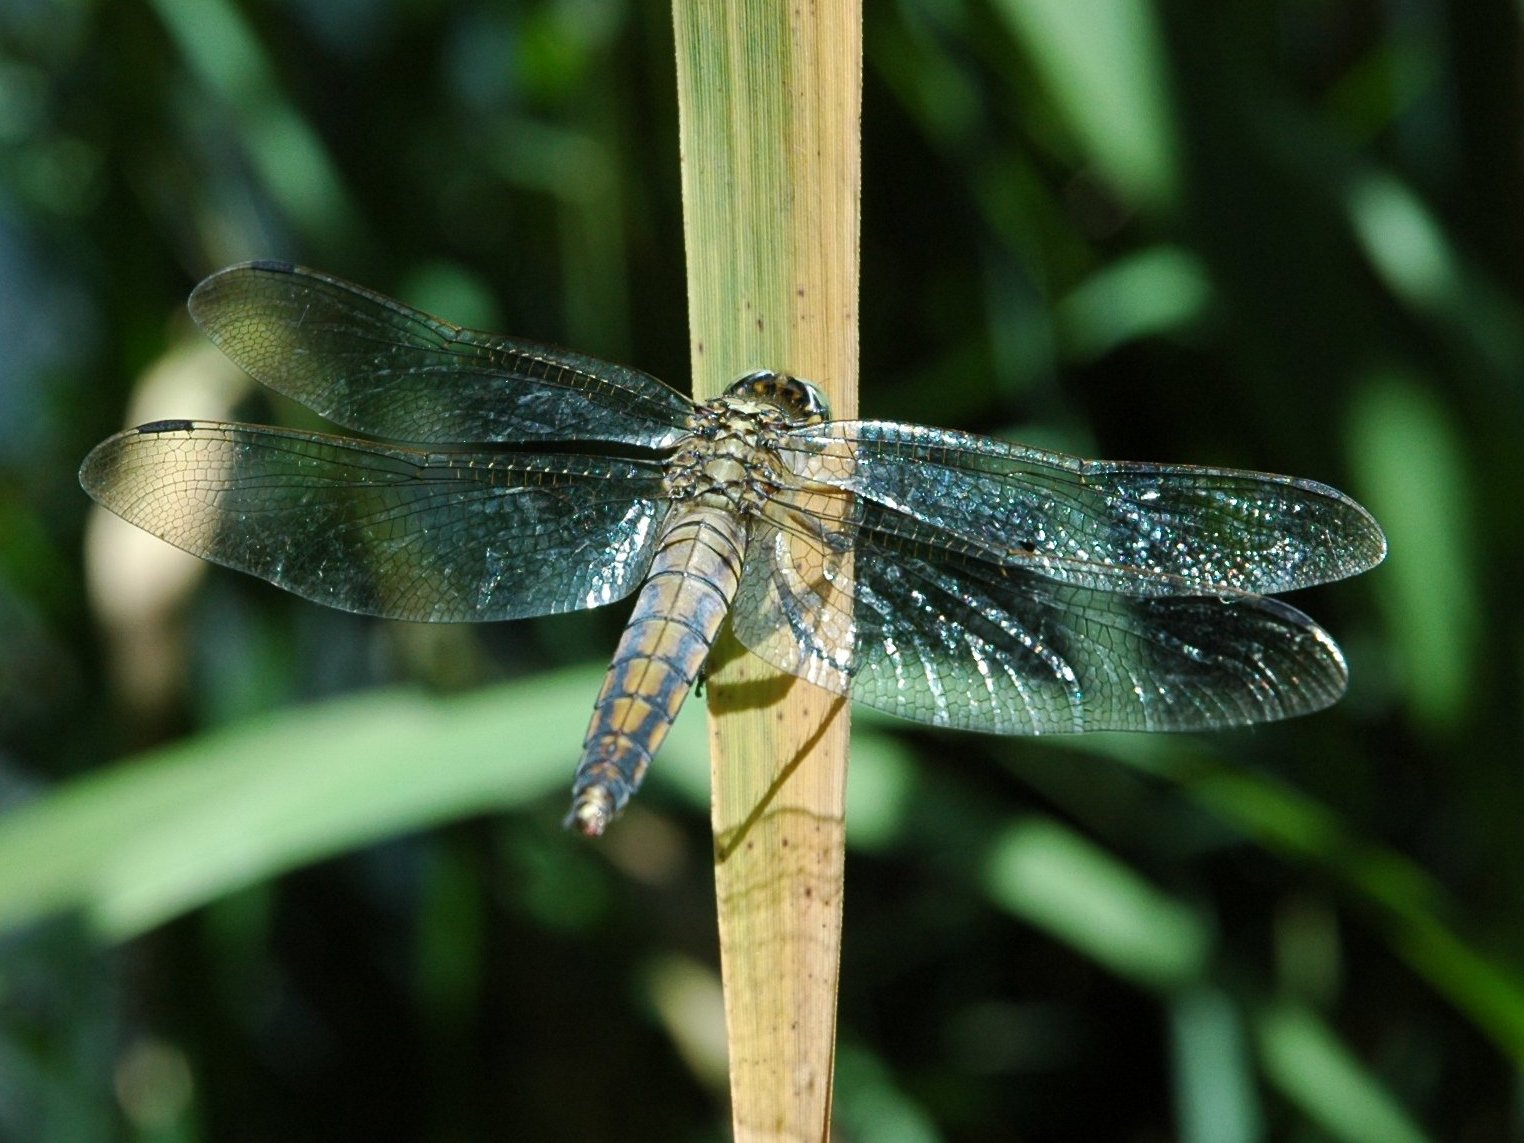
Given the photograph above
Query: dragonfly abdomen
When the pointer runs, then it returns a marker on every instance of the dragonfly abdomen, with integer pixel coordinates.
(677, 614)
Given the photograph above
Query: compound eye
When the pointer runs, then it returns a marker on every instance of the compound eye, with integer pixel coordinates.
(800, 400)
(758, 384)
(809, 402)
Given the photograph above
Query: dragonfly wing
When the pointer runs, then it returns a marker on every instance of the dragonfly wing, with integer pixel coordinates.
(1146, 529)
(388, 531)
(943, 637)
(374, 365)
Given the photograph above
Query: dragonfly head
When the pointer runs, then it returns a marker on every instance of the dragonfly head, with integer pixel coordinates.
(800, 401)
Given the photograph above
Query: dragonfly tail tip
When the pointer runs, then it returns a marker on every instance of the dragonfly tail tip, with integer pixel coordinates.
(591, 812)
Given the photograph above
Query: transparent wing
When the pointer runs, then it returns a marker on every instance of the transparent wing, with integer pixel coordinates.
(1145, 529)
(374, 365)
(964, 582)
(388, 531)
(941, 636)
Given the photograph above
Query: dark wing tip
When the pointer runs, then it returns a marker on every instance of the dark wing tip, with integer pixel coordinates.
(95, 470)
(101, 462)
(260, 265)
(1323, 654)
(1356, 539)
(273, 265)
(206, 290)
(1375, 539)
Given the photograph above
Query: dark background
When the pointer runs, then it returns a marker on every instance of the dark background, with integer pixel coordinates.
(245, 897)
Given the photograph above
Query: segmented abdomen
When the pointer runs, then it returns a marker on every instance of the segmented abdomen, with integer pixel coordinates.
(677, 614)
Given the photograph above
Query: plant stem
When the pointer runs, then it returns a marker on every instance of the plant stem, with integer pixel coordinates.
(769, 97)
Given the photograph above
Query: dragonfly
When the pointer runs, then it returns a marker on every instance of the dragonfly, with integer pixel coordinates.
(951, 579)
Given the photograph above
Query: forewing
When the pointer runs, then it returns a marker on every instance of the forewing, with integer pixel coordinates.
(387, 531)
(374, 365)
(1145, 529)
(945, 638)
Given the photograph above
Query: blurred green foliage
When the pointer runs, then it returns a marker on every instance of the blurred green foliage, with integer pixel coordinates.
(271, 872)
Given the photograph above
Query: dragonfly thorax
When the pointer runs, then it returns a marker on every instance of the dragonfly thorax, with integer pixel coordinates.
(730, 457)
